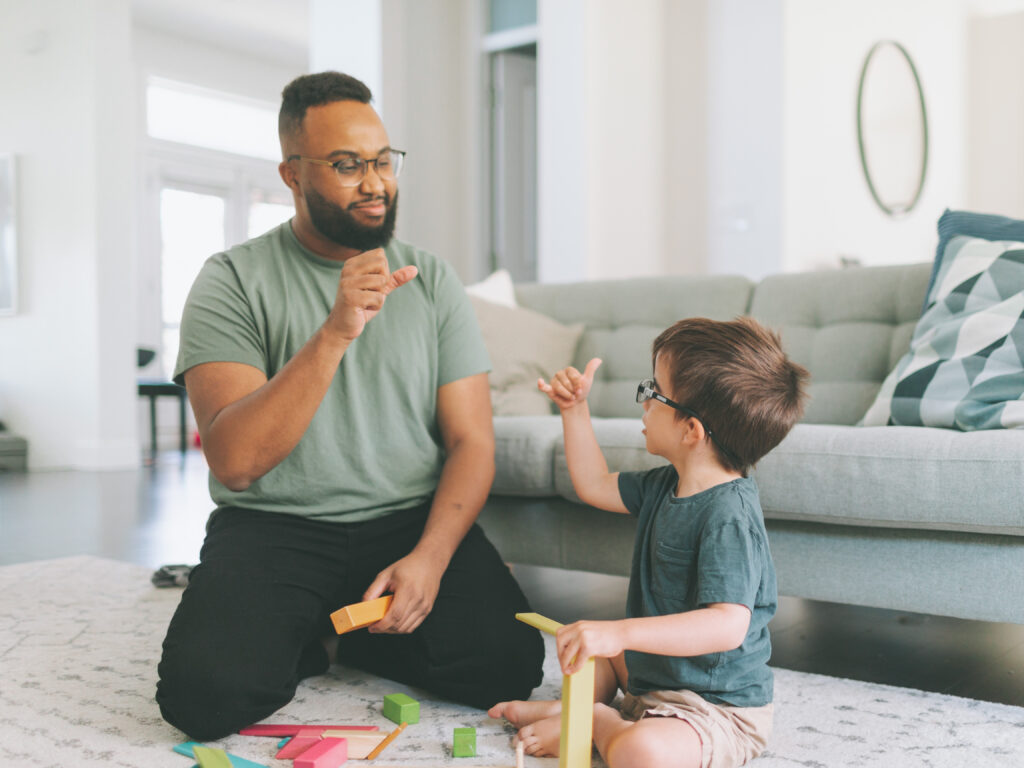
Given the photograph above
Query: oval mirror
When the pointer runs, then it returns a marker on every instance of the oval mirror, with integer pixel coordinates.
(892, 128)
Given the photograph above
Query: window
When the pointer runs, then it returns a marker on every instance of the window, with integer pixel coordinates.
(212, 182)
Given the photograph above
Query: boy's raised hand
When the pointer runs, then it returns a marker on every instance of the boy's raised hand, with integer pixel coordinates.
(569, 387)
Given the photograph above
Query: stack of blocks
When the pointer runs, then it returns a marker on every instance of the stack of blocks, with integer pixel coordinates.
(464, 742)
(400, 708)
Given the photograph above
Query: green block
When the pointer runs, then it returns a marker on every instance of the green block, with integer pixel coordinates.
(399, 708)
(464, 742)
(209, 757)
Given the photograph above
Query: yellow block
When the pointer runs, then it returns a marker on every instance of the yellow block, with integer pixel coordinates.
(574, 746)
(543, 623)
(210, 757)
(360, 615)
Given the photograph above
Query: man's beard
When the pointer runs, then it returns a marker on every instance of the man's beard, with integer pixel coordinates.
(340, 226)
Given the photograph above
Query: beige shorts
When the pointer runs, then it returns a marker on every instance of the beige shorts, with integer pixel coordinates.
(729, 736)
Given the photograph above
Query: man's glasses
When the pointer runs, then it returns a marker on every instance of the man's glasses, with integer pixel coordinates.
(351, 169)
(646, 391)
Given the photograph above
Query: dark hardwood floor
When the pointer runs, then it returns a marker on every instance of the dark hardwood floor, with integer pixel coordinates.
(155, 515)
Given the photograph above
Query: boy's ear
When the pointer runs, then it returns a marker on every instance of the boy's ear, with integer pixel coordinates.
(692, 430)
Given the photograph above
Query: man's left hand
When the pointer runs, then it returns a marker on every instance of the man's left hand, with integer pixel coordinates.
(414, 580)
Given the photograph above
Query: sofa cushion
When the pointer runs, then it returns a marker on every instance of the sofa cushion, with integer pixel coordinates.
(623, 446)
(848, 345)
(524, 454)
(622, 319)
(903, 477)
(964, 369)
(850, 475)
(523, 345)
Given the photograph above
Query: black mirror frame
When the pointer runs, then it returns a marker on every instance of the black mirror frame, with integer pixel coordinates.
(889, 210)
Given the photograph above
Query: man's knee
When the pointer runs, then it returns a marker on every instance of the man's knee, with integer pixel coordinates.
(199, 703)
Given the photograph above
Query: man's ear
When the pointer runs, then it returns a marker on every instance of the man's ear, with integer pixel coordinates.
(287, 171)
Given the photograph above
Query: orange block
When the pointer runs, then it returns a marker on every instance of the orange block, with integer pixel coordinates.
(359, 615)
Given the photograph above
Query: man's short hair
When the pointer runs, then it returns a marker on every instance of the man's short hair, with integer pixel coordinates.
(737, 378)
(313, 91)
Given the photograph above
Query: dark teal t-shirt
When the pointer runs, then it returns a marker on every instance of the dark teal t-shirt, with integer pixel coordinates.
(711, 547)
(374, 445)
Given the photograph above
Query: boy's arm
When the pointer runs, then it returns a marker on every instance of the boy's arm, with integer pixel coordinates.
(592, 481)
(715, 628)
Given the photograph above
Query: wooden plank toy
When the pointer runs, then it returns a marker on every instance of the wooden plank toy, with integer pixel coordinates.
(299, 743)
(359, 615)
(360, 744)
(326, 753)
(188, 750)
(575, 742)
(272, 729)
(399, 708)
(390, 737)
(209, 757)
(464, 742)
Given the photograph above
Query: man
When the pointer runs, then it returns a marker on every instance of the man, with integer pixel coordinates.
(339, 382)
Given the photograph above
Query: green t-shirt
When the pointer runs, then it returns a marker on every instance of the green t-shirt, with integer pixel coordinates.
(711, 547)
(374, 445)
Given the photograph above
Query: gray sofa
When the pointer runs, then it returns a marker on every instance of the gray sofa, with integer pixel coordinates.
(909, 518)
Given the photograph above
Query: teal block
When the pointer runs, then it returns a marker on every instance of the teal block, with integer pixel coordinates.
(236, 761)
(464, 742)
(399, 708)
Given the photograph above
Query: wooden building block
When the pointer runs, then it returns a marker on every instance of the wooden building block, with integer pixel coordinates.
(464, 742)
(543, 623)
(360, 615)
(399, 708)
(272, 729)
(387, 740)
(208, 757)
(360, 744)
(188, 749)
(326, 753)
(299, 743)
(574, 745)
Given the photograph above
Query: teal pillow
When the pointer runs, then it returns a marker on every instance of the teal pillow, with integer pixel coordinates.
(987, 226)
(965, 367)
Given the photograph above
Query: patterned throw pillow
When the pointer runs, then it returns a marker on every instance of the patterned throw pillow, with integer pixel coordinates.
(964, 369)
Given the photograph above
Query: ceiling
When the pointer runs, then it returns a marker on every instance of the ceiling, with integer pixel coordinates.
(277, 29)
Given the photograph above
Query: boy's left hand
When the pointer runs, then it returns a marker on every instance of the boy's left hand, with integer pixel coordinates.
(584, 639)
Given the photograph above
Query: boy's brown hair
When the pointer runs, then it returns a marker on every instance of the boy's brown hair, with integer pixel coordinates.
(734, 374)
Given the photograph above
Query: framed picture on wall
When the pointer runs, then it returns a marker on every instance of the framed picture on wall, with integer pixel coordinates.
(8, 238)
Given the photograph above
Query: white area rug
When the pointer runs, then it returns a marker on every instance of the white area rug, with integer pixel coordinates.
(80, 638)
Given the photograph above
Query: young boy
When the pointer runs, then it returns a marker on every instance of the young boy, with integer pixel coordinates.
(692, 656)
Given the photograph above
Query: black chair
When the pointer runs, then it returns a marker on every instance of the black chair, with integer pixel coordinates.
(155, 388)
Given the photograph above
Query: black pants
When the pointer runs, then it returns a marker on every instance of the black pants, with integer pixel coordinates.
(250, 622)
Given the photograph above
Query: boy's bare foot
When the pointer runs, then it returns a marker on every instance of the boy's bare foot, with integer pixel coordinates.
(541, 738)
(521, 713)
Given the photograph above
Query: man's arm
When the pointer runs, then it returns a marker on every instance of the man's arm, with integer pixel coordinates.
(249, 424)
(464, 418)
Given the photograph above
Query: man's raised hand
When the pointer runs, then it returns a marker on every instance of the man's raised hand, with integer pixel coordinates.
(365, 283)
(569, 387)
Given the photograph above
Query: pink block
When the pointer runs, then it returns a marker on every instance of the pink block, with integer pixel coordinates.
(327, 753)
(299, 743)
(272, 729)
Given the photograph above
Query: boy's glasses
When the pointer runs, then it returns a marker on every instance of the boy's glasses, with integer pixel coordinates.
(351, 169)
(646, 391)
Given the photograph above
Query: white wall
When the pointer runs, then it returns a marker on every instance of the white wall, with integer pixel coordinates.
(828, 210)
(744, 113)
(625, 93)
(67, 376)
(995, 108)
